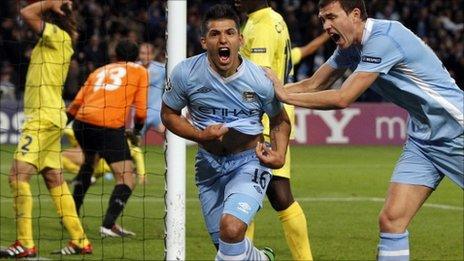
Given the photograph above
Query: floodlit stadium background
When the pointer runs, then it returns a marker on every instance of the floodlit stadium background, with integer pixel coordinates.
(339, 176)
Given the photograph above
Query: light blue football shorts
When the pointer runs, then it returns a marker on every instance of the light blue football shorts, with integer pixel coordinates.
(233, 184)
(426, 163)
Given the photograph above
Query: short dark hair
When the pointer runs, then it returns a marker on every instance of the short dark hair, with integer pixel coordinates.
(127, 50)
(348, 6)
(218, 12)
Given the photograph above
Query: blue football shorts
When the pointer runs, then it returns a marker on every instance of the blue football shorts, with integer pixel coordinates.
(233, 184)
(426, 163)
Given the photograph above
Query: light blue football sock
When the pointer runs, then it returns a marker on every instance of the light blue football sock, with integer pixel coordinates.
(243, 250)
(393, 247)
(231, 251)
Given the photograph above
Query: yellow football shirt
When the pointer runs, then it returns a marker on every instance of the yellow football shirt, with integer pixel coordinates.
(267, 43)
(46, 75)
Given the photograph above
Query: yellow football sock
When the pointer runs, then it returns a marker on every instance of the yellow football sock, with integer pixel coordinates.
(137, 156)
(22, 204)
(66, 209)
(69, 166)
(250, 233)
(296, 231)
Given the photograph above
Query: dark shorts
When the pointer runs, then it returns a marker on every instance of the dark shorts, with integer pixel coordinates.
(108, 143)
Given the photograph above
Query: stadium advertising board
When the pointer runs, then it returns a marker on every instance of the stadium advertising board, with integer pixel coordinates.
(360, 124)
(11, 119)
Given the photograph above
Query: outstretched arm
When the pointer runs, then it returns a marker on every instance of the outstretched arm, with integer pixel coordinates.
(280, 128)
(32, 14)
(321, 80)
(179, 125)
(351, 89)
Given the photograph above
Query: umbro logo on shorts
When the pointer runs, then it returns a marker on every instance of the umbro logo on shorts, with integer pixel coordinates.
(244, 207)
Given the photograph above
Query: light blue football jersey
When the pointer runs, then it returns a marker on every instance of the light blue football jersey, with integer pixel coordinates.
(411, 76)
(157, 75)
(239, 101)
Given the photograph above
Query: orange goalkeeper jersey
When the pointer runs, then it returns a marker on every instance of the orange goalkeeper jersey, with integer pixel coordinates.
(109, 93)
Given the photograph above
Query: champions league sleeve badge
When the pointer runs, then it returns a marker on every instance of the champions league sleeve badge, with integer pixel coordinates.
(168, 85)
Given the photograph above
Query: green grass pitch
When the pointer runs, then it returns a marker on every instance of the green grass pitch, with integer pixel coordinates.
(341, 189)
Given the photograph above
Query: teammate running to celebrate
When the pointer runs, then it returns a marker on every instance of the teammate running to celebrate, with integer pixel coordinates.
(402, 68)
(100, 110)
(226, 96)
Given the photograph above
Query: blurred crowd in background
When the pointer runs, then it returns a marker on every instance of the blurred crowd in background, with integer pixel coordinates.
(440, 23)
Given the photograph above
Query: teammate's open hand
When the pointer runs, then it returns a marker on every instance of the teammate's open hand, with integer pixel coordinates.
(269, 157)
(213, 132)
(280, 92)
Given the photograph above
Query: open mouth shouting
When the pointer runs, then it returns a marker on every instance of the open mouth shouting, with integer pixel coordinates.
(224, 55)
(335, 37)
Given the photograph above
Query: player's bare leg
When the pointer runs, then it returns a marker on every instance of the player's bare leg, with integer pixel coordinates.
(234, 246)
(125, 183)
(401, 205)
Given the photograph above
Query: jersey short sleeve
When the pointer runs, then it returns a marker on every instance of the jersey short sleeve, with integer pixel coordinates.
(175, 96)
(263, 45)
(53, 36)
(379, 54)
(340, 59)
(271, 105)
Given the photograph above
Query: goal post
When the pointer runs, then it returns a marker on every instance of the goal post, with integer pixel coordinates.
(175, 146)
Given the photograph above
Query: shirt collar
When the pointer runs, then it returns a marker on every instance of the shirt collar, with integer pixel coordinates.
(232, 77)
(256, 15)
(367, 30)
